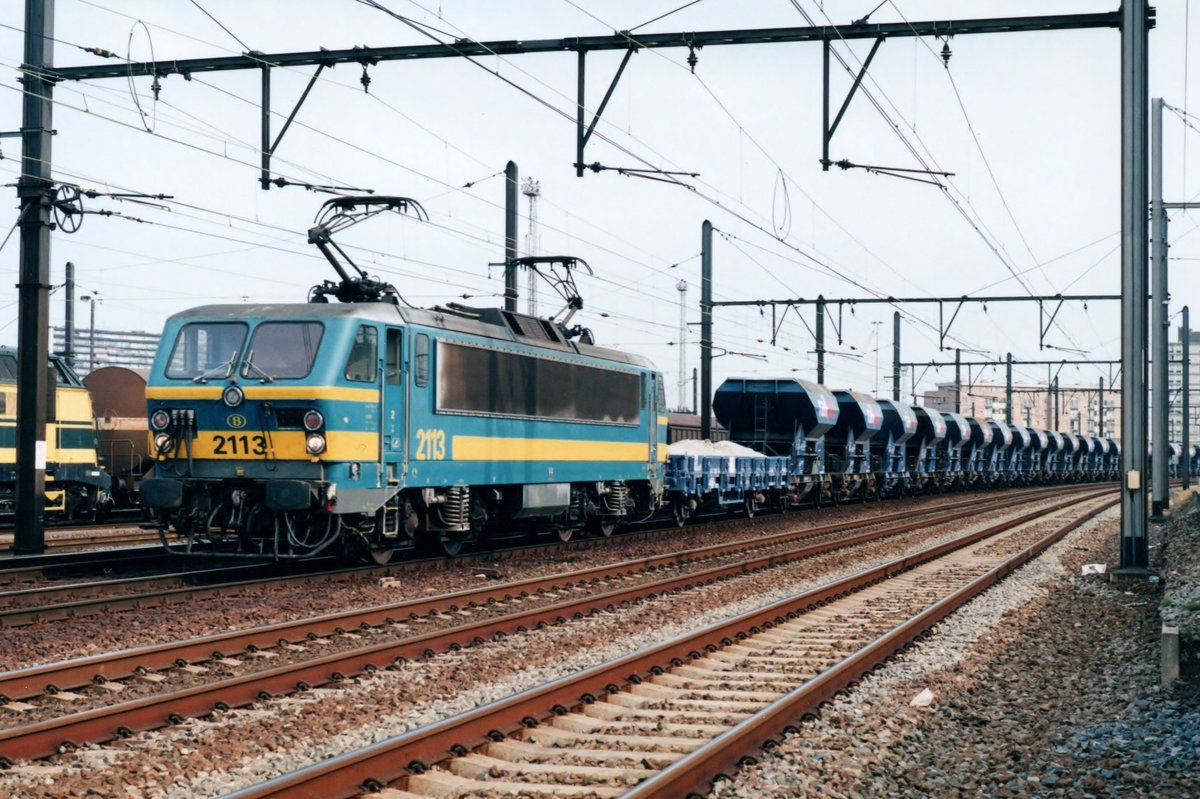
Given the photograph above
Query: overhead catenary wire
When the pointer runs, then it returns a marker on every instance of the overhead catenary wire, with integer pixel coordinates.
(253, 148)
(222, 26)
(977, 223)
(732, 118)
(743, 130)
(712, 200)
(255, 166)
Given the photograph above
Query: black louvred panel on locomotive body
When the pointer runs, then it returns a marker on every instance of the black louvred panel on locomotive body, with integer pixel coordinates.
(477, 380)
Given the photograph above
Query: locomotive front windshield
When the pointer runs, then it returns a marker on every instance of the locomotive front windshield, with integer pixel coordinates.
(206, 350)
(8, 371)
(282, 350)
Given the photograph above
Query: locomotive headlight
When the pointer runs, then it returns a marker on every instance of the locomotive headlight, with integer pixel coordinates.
(160, 420)
(315, 444)
(313, 420)
(163, 442)
(233, 396)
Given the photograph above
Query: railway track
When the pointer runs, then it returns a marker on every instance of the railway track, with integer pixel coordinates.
(41, 603)
(334, 647)
(114, 534)
(670, 719)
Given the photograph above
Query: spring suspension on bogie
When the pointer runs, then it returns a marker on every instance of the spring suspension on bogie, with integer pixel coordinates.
(614, 499)
(453, 511)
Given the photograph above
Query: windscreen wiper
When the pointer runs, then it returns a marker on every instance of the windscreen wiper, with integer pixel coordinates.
(248, 364)
(222, 371)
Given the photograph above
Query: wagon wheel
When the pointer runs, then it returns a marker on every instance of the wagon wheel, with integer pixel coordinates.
(751, 506)
(783, 503)
(679, 512)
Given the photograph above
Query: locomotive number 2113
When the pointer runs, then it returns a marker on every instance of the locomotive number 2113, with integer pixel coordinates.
(431, 445)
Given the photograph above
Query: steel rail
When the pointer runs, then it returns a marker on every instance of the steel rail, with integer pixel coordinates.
(13, 565)
(41, 739)
(89, 539)
(70, 674)
(393, 759)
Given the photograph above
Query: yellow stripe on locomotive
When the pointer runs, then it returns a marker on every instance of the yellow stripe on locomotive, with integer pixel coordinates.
(75, 484)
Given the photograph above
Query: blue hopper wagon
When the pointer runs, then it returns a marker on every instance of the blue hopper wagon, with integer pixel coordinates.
(1039, 444)
(1002, 442)
(848, 446)
(786, 418)
(1053, 461)
(923, 453)
(889, 445)
(979, 455)
(958, 437)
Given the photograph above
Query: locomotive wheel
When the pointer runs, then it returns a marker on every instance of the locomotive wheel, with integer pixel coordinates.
(382, 556)
(679, 513)
(451, 547)
(565, 534)
(606, 528)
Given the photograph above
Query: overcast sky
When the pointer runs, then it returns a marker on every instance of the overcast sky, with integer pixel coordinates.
(1028, 123)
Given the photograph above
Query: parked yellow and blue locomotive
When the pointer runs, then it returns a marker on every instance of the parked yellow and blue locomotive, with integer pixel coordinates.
(367, 427)
(76, 486)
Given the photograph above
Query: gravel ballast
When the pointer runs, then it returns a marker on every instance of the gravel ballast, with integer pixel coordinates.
(1047, 685)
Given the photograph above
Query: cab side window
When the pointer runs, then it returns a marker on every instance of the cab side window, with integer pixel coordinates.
(364, 354)
(421, 360)
(394, 358)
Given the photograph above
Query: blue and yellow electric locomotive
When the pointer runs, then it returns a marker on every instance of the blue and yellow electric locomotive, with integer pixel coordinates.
(286, 430)
(76, 486)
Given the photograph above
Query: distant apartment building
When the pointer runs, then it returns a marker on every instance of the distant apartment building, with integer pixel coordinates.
(131, 348)
(1033, 406)
(1175, 389)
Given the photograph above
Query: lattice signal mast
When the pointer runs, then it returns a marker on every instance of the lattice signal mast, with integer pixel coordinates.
(682, 287)
(533, 239)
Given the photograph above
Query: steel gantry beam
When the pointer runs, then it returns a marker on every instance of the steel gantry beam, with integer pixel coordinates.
(461, 48)
(823, 303)
(582, 45)
(1008, 363)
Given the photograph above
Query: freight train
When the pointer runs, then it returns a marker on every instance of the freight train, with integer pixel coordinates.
(364, 427)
